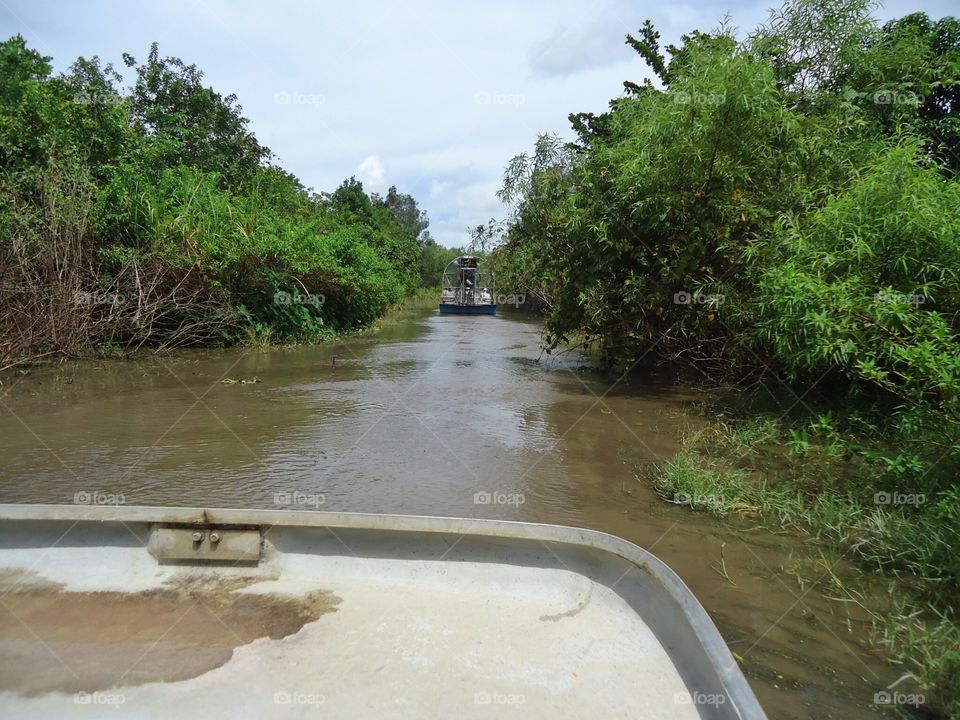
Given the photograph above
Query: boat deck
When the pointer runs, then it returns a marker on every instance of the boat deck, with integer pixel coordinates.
(353, 622)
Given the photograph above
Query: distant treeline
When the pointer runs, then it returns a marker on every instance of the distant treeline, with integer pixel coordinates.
(153, 217)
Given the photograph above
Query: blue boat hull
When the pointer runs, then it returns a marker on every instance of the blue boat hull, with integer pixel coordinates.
(468, 309)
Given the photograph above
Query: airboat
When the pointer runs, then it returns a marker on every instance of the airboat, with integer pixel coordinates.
(151, 612)
(466, 290)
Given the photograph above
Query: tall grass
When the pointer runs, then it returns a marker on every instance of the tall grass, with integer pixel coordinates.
(762, 469)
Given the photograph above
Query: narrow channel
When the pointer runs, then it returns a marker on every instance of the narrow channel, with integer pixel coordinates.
(439, 415)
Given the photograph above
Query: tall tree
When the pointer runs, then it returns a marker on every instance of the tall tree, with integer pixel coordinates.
(190, 123)
(404, 208)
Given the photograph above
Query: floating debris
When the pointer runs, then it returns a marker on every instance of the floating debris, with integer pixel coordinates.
(241, 381)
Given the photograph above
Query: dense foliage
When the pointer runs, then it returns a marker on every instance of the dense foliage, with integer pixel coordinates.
(781, 212)
(153, 216)
(784, 210)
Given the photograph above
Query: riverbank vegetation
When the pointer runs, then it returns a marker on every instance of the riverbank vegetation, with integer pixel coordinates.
(779, 212)
(152, 217)
(760, 468)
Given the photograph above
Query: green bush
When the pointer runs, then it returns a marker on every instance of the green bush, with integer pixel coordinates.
(164, 198)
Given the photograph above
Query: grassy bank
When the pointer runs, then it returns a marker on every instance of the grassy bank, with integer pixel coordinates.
(418, 300)
(807, 479)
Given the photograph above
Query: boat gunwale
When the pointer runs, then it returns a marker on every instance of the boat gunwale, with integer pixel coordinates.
(735, 685)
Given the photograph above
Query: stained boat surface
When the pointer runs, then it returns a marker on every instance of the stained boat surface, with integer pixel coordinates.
(123, 612)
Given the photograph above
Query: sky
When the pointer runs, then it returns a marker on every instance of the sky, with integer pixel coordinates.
(433, 97)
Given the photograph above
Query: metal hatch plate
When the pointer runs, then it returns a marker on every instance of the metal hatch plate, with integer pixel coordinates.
(204, 544)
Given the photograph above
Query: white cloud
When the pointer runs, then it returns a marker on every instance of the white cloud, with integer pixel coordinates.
(438, 187)
(371, 173)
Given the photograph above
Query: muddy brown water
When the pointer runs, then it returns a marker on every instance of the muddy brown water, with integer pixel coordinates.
(438, 415)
